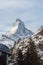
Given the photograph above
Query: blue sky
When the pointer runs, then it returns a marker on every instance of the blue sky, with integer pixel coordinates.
(29, 11)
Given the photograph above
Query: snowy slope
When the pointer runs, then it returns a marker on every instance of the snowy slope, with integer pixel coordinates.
(18, 31)
(24, 43)
(38, 38)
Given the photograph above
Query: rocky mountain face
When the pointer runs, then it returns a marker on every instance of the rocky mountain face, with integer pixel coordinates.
(18, 31)
(40, 31)
(38, 38)
(18, 37)
(24, 43)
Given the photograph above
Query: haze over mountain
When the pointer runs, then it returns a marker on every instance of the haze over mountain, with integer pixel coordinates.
(18, 31)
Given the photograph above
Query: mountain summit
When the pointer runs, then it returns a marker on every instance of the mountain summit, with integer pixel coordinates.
(18, 31)
(18, 22)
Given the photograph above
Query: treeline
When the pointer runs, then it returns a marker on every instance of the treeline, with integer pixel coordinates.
(31, 56)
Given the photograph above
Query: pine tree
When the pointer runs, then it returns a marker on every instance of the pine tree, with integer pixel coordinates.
(27, 60)
(19, 57)
(31, 56)
(35, 59)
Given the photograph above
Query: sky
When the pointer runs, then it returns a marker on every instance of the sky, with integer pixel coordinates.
(29, 11)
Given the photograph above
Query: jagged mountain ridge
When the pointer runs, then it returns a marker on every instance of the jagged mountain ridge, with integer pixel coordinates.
(18, 31)
(40, 31)
(38, 39)
(24, 43)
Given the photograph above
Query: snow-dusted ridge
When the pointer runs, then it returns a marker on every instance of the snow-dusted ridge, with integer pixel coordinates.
(19, 28)
(24, 43)
(18, 31)
(38, 39)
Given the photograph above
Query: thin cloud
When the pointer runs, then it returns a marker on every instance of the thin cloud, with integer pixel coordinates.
(30, 11)
(16, 4)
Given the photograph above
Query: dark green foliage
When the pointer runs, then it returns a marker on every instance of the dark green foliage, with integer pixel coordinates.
(19, 57)
(27, 60)
(31, 56)
(35, 59)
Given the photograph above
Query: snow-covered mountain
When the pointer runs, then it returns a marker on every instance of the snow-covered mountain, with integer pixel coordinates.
(18, 31)
(24, 43)
(38, 38)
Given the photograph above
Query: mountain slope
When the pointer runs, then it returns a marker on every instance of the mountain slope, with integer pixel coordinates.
(38, 38)
(40, 31)
(24, 43)
(18, 31)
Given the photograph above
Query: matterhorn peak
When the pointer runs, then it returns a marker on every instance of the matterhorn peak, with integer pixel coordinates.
(19, 29)
(18, 22)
